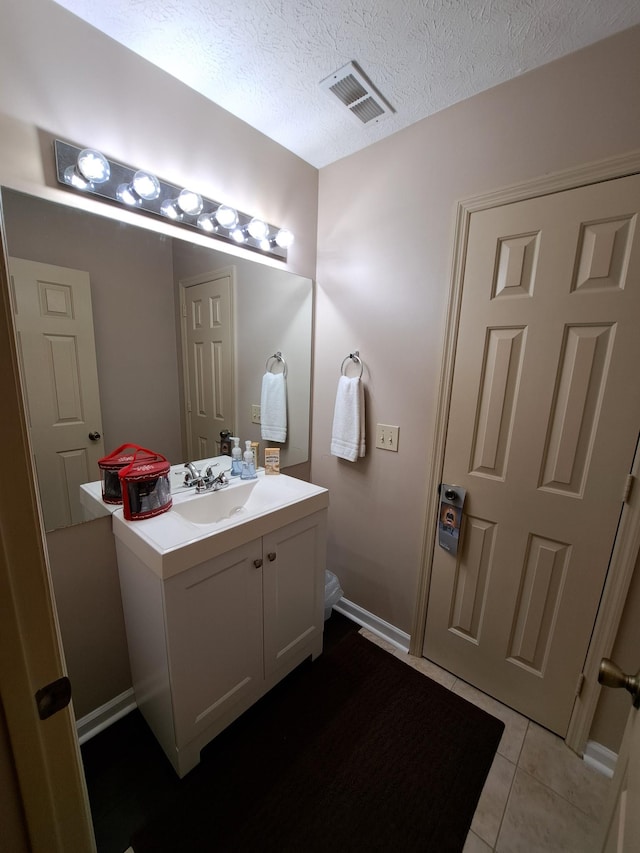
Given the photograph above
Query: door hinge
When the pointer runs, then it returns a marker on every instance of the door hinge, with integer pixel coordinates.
(580, 684)
(628, 486)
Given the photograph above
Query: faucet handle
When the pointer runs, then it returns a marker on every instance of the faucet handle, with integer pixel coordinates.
(219, 481)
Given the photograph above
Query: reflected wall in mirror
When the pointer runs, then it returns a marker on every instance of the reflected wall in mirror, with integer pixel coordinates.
(135, 277)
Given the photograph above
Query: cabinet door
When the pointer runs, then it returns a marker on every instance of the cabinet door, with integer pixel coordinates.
(214, 639)
(294, 563)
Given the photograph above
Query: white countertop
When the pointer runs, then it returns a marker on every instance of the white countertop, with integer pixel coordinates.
(169, 543)
(91, 493)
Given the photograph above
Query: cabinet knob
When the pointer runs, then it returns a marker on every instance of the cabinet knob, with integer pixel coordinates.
(271, 556)
(257, 563)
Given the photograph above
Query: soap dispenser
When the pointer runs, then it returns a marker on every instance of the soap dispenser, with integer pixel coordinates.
(236, 457)
(248, 464)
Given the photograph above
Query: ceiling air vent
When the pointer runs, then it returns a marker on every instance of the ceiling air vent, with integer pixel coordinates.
(357, 94)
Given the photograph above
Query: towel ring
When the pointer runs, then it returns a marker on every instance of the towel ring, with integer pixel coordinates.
(354, 356)
(278, 357)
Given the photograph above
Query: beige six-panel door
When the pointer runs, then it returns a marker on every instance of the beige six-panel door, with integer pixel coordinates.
(208, 353)
(54, 322)
(543, 424)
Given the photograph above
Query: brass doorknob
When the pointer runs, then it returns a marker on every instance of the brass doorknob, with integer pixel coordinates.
(610, 675)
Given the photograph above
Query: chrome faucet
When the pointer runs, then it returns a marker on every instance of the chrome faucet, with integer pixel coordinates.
(204, 482)
(192, 475)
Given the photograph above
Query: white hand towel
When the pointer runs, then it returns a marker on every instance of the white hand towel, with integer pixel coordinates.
(273, 407)
(347, 437)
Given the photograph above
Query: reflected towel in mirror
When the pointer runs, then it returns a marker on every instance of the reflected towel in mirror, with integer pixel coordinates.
(347, 437)
(273, 407)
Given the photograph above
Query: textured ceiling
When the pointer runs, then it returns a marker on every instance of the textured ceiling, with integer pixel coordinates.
(263, 60)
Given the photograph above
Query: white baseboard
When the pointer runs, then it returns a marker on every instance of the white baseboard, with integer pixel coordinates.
(376, 625)
(600, 758)
(100, 719)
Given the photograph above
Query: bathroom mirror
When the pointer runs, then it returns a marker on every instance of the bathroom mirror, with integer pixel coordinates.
(136, 276)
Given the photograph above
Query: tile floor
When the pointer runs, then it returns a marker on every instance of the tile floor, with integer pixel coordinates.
(539, 796)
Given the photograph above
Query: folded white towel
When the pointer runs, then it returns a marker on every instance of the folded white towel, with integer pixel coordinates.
(347, 436)
(273, 407)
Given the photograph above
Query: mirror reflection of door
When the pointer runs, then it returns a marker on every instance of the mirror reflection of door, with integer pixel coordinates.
(54, 322)
(208, 360)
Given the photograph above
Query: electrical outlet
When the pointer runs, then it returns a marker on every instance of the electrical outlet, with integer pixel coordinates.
(387, 437)
(255, 414)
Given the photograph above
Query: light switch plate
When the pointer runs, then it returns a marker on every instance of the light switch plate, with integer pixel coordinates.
(387, 437)
(255, 414)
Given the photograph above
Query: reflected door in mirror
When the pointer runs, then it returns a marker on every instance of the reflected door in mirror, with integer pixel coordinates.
(208, 347)
(54, 322)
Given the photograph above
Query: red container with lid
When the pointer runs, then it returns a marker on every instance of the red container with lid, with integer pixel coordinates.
(145, 485)
(111, 466)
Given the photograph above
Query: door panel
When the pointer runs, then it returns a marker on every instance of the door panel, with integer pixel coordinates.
(544, 418)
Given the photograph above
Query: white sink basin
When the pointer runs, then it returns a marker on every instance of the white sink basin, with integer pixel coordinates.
(214, 507)
(198, 527)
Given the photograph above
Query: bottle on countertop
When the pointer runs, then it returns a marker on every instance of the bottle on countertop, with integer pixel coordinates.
(248, 464)
(225, 442)
(236, 457)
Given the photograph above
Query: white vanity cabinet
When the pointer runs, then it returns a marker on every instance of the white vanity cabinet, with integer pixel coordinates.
(207, 642)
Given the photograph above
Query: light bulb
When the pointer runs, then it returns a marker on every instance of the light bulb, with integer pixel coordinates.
(284, 238)
(265, 245)
(169, 208)
(75, 179)
(258, 229)
(238, 235)
(227, 217)
(190, 202)
(206, 222)
(146, 185)
(127, 195)
(93, 166)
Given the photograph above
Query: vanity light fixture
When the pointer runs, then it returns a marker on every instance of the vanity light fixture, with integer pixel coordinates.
(89, 171)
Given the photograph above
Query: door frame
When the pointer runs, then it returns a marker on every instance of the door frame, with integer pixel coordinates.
(628, 537)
